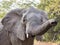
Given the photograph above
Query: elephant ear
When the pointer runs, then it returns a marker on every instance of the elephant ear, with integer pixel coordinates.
(13, 23)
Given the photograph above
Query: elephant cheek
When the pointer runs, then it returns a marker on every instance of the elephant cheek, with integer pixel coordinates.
(19, 31)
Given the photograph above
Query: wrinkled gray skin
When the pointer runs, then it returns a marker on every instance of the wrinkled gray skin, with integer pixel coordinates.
(4, 39)
(1, 26)
(39, 37)
(22, 25)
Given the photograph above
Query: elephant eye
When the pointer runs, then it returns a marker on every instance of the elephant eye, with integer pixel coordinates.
(41, 20)
(23, 20)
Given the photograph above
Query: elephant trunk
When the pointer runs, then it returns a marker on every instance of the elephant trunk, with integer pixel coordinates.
(41, 29)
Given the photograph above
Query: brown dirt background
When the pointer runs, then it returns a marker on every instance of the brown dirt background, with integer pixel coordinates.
(45, 43)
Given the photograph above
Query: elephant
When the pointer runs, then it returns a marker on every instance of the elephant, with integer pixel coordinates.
(39, 38)
(22, 25)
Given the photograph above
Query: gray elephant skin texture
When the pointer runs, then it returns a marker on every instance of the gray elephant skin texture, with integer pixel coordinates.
(20, 26)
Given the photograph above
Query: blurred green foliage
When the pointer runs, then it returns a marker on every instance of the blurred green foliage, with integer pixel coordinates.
(53, 9)
(51, 6)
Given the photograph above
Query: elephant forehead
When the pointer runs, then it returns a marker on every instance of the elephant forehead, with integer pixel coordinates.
(34, 19)
(33, 16)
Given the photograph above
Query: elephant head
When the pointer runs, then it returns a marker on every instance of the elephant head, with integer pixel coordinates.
(25, 22)
(37, 22)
